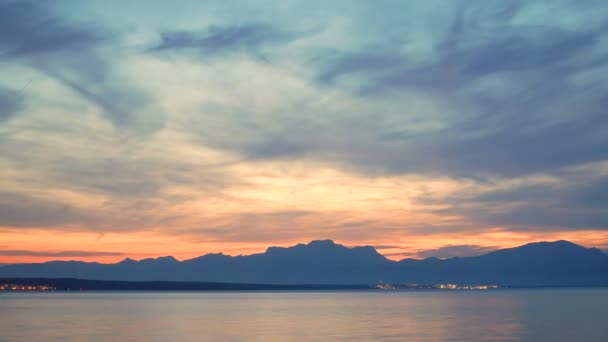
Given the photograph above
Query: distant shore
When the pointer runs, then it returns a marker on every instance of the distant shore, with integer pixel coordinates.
(73, 284)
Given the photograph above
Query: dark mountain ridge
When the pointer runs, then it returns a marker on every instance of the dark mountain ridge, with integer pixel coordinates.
(559, 263)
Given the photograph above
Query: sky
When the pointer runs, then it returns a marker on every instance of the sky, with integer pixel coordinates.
(423, 128)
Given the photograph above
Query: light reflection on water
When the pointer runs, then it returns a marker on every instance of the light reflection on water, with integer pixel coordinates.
(533, 315)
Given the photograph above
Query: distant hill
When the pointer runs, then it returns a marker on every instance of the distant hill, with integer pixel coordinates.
(559, 263)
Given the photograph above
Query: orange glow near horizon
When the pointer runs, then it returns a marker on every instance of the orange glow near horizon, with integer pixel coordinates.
(281, 204)
(114, 247)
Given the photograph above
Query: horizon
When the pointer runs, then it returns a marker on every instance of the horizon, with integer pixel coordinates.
(441, 257)
(420, 128)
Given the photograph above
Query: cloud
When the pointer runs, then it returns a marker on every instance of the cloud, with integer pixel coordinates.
(252, 227)
(505, 123)
(61, 254)
(119, 104)
(338, 64)
(575, 199)
(18, 210)
(45, 211)
(223, 40)
(477, 40)
(11, 102)
(28, 30)
(566, 206)
(450, 251)
(501, 86)
(35, 34)
(386, 246)
(479, 95)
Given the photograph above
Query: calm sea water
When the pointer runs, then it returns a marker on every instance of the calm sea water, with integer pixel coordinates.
(502, 315)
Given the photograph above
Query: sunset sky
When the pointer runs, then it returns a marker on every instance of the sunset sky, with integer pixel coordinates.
(423, 128)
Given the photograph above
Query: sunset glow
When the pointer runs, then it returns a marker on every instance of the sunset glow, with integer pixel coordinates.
(152, 129)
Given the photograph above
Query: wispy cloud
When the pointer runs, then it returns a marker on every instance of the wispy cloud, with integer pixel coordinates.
(10, 103)
(57, 254)
(499, 81)
(35, 35)
(216, 41)
(567, 199)
(451, 251)
(23, 211)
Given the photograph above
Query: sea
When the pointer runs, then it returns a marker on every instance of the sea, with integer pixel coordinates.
(578, 314)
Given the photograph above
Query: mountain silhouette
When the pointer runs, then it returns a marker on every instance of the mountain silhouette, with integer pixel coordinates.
(559, 263)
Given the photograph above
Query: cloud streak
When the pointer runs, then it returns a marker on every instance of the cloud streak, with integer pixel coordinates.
(57, 254)
(10, 103)
(71, 54)
(451, 251)
(217, 41)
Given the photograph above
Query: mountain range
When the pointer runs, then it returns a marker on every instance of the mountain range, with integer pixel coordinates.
(559, 263)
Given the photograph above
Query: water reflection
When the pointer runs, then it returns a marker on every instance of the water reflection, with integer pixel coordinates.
(353, 316)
